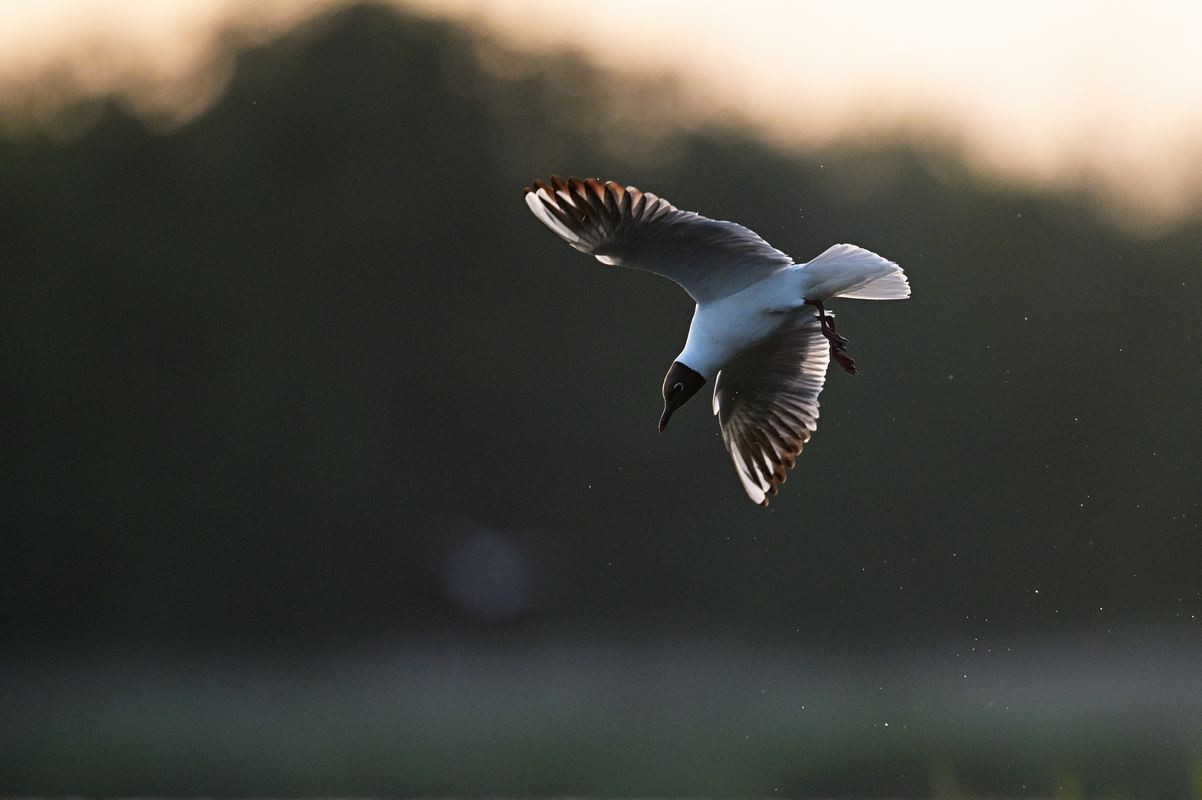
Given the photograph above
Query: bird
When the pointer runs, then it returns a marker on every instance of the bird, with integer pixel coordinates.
(760, 330)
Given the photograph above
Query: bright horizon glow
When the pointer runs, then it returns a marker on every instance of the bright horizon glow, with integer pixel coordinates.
(1048, 93)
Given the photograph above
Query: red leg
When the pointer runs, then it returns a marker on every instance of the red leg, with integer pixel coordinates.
(838, 343)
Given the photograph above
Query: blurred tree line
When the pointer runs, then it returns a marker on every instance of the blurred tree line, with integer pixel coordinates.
(261, 373)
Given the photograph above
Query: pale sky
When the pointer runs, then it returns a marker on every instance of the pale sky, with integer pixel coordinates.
(1031, 91)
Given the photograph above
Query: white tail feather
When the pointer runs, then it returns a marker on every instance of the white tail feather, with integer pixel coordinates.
(845, 270)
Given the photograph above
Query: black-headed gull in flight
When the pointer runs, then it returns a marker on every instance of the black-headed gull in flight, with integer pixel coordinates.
(759, 330)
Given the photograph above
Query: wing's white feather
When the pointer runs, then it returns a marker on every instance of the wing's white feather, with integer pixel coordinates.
(766, 401)
(544, 216)
(621, 225)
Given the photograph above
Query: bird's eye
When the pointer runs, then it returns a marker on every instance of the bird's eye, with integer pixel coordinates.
(678, 387)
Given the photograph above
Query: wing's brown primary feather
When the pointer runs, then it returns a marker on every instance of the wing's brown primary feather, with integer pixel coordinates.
(766, 400)
(621, 225)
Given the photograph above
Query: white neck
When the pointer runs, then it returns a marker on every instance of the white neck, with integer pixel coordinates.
(701, 354)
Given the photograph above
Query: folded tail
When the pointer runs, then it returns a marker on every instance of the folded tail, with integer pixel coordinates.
(845, 270)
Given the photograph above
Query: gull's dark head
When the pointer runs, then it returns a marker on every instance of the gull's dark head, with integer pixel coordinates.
(680, 384)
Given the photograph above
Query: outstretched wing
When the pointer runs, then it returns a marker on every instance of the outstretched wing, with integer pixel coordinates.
(766, 400)
(624, 226)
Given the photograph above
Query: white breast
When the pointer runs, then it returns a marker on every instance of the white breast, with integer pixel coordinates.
(723, 328)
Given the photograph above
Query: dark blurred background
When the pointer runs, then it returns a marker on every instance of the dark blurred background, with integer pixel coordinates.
(328, 470)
